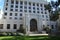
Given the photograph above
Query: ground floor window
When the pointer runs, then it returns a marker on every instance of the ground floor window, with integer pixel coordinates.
(1, 26)
(15, 26)
(8, 26)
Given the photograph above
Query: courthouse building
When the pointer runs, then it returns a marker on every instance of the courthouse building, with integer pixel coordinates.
(30, 14)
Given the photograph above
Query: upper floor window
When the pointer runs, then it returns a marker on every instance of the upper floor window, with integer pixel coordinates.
(15, 14)
(6, 4)
(16, 1)
(30, 3)
(16, 9)
(16, 6)
(11, 6)
(33, 4)
(21, 6)
(43, 16)
(10, 14)
(5, 13)
(6, 0)
(37, 4)
(12, 1)
(6, 8)
(20, 14)
(41, 5)
(21, 2)
(25, 2)
(15, 26)
(11, 9)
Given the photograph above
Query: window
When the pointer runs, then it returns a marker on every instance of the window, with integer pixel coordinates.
(4, 17)
(21, 10)
(6, 0)
(43, 16)
(47, 19)
(37, 4)
(38, 12)
(30, 3)
(33, 4)
(21, 25)
(5, 14)
(21, 2)
(16, 9)
(10, 17)
(6, 4)
(25, 2)
(15, 26)
(37, 8)
(15, 14)
(10, 14)
(52, 26)
(25, 10)
(42, 12)
(33, 11)
(1, 26)
(21, 6)
(16, 2)
(45, 12)
(25, 7)
(15, 17)
(5, 8)
(20, 14)
(30, 11)
(41, 5)
(34, 8)
(12, 1)
(11, 6)
(11, 9)
(8, 26)
(20, 18)
(16, 6)
(46, 16)
(29, 7)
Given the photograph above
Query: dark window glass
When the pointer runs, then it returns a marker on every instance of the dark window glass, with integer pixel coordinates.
(37, 4)
(30, 11)
(15, 17)
(7, 0)
(37, 11)
(16, 2)
(21, 2)
(16, 9)
(41, 5)
(15, 26)
(16, 6)
(34, 8)
(5, 14)
(21, 6)
(12, 1)
(21, 10)
(8, 26)
(11, 9)
(30, 3)
(10, 17)
(25, 2)
(20, 14)
(25, 7)
(11, 6)
(33, 4)
(10, 14)
(5, 8)
(33, 11)
(1, 26)
(25, 10)
(15, 14)
(29, 7)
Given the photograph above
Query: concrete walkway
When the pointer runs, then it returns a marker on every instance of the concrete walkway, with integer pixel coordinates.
(38, 34)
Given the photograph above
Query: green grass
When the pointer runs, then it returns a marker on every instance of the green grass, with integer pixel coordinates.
(28, 38)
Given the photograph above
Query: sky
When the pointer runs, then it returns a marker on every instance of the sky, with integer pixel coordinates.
(2, 3)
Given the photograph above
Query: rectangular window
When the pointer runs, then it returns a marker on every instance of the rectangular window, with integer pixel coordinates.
(25, 10)
(16, 2)
(6, 0)
(20, 14)
(15, 14)
(11, 9)
(30, 11)
(33, 11)
(12, 1)
(8, 26)
(6, 4)
(1, 26)
(16, 9)
(30, 3)
(5, 8)
(16, 6)
(21, 10)
(21, 6)
(43, 16)
(33, 4)
(12, 6)
(37, 4)
(25, 2)
(15, 17)
(5, 14)
(10, 14)
(15, 26)
(21, 2)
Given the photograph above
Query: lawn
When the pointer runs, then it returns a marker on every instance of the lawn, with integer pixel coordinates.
(28, 38)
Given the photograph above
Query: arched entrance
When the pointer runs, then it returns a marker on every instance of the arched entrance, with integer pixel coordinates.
(33, 25)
